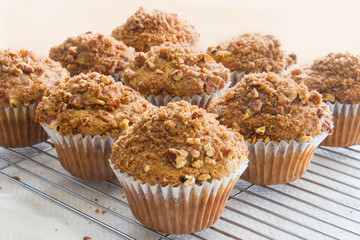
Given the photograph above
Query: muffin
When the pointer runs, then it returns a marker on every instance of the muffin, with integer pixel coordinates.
(282, 122)
(84, 116)
(92, 52)
(24, 80)
(175, 70)
(145, 29)
(177, 166)
(252, 53)
(337, 77)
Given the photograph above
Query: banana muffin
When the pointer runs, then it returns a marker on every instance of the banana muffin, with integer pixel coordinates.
(145, 29)
(276, 111)
(253, 53)
(337, 77)
(24, 79)
(175, 70)
(89, 108)
(92, 52)
(178, 147)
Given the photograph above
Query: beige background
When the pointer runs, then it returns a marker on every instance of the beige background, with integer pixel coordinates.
(309, 28)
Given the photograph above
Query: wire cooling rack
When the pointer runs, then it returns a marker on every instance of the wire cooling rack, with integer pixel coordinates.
(323, 204)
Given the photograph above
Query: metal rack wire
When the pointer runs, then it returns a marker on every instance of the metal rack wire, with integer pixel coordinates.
(324, 204)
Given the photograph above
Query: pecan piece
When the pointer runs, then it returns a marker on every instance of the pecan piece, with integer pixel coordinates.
(189, 180)
(76, 101)
(140, 60)
(256, 104)
(26, 68)
(177, 75)
(177, 157)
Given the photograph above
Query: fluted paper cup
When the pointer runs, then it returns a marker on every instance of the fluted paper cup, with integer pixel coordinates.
(235, 77)
(281, 163)
(346, 119)
(198, 100)
(18, 128)
(85, 157)
(178, 210)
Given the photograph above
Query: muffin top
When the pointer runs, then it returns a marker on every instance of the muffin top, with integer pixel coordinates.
(175, 70)
(26, 78)
(178, 144)
(145, 29)
(266, 106)
(253, 53)
(91, 104)
(336, 76)
(92, 52)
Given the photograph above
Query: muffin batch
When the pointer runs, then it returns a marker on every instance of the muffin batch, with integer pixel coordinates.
(144, 106)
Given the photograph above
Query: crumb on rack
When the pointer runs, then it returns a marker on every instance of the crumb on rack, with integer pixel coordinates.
(96, 200)
(16, 178)
(97, 210)
(86, 238)
(103, 212)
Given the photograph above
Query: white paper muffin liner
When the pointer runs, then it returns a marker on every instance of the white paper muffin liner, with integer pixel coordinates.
(83, 157)
(18, 127)
(198, 100)
(235, 77)
(281, 163)
(178, 210)
(346, 118)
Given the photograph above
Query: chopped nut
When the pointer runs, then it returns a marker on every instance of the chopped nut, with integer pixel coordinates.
(220, 157)
(63, 107)
(13, 54)
(195, 153)
(254, 93)
(193, 140)
(140, 60)
(17, 71)
(82, 83)
(255, 104)
(303, 95)
(180, 60)
(229, 153)
(210, 152)
(97, 101)
(106, 79)
(228, 96)
(26, 68)
(177, 75)
(196, 115)
(306, 139)
(204, 177)
(73, 50)
(292, 95)
(283, 100)
(190, 180)
(124, 124)
(177, 157)
(246, 116)
(150, 63)
(236, 127)
(197, 164)
(146, 168)
(203, 70)
(208, 59)
(260, 130)
(267, 140)
(207, 146)
(76, 101)
(297, 71)
(210, 161)
(158, 71)
(67, 95)
(328, 126)
(328, 97)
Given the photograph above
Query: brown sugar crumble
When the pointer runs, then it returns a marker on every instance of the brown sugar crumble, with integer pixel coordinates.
(92, 52)
(335, 76)
(145, 29)
(269, 107)
(91, 104)
(26, 78)
(175, 70)
(178, 144)
(253, 53)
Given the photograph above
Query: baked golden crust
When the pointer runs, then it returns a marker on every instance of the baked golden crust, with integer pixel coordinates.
(92, 52)
(175, 70)
(178, 144)
(336, 76)
(272, 108)
(145, 29)
(91, 104)
(253, 53)
(26, 78)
